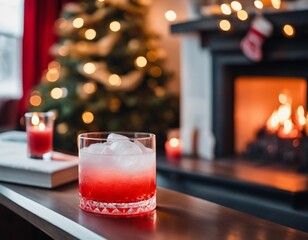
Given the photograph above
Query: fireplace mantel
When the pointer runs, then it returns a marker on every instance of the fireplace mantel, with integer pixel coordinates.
(217, 40)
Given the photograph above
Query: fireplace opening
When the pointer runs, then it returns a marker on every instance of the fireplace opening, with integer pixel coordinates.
(245, 95)
(256, 101)
(270, 119)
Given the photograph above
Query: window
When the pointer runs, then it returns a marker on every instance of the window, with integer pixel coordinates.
(11, 33)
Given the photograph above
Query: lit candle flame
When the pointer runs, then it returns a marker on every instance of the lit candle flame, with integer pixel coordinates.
(41, 126)
(35, 120)
(174, 142)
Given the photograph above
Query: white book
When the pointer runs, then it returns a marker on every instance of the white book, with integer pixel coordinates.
(16, 167)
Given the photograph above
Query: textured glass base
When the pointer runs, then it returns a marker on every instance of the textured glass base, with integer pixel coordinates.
(118, 209)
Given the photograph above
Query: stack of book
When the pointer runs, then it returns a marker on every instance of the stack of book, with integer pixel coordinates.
(16, 167)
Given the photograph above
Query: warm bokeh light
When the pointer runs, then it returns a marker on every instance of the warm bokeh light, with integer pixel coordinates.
(87, 117)
(89, 88)
(52, 75)
(134, 44)
(225, 25)
(114, 80)
(61, 23)
(236, 6)
(151, 56)
(225, 9)
(90, 34)
(242, 15)
(78, 22)
(141, 61)
(63, 51)
(62, 128)
(89, 68)
(115, 26)
(288, 30)
(276, 4)
(160, 91)
(170, 15)
(54, 65)
(155, 71)
(114, 104)
(258, 4)
(35, 100)
(56, 93)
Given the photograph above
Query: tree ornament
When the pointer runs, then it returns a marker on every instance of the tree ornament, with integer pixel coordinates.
(252, 43)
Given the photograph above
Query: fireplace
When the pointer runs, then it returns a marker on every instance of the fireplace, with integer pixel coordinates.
(284, 65)
(232, 73)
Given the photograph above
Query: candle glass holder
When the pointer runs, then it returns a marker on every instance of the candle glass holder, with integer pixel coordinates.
(117, 173)
(39, 129)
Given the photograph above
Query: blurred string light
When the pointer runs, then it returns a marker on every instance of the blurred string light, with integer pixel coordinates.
(115, 26)
(78, 22)
(89, 68)
(242, 15)
(225, 25)
(57, 93)
(90, 34)
(258, 4)
(89, 87)
(155, 71)
(62, 128)
(35, 99)
(87, 117)
(114, 80)
(288, 30)
(53, 72)
(151, 56)
(276, 4)
(170, 15)
(225, 9)
(159, 91)
(236, 6)
(141, 61)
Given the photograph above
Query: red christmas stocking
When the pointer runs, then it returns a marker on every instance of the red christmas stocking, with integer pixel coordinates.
(252, 43)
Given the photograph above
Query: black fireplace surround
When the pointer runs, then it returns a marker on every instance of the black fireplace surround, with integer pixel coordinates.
(285, 57)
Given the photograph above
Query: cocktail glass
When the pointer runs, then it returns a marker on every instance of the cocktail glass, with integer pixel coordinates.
(117, 173)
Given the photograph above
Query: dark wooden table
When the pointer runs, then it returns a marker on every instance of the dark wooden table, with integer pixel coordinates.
(178, 216)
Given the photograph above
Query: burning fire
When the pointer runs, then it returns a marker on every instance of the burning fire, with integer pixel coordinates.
(283, 122)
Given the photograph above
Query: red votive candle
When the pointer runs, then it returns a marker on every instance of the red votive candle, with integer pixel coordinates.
(39, 128)
(173, 148)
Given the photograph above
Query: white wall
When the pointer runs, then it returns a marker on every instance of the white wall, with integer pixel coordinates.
(192, 66)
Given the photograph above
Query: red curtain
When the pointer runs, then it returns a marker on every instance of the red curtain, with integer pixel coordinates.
(39, 19)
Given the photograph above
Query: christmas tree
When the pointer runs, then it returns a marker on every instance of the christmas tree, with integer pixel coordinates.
(107, 74)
